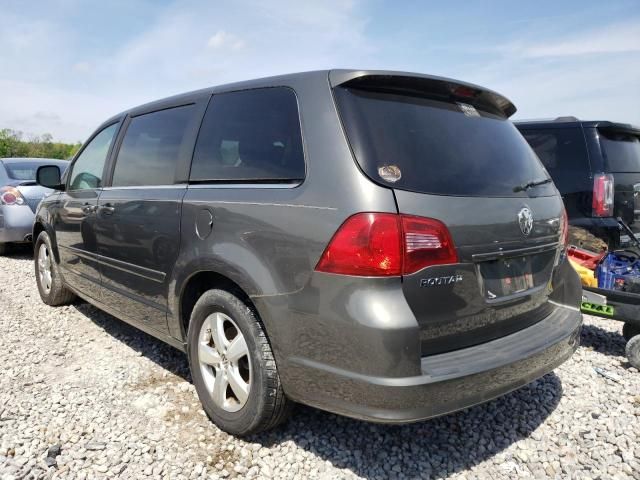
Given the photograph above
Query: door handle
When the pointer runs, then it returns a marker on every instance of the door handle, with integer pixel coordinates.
(87, 208)
(107, 209)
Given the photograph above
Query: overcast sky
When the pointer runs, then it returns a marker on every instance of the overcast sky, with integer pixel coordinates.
(67, 65)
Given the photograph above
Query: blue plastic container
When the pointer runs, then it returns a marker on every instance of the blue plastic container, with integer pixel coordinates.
(617, 272)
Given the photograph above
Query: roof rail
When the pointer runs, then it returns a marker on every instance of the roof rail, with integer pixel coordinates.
(568, 118)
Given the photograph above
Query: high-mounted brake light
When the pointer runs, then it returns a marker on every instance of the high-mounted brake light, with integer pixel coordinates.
(11, 196)
(464, 92)
(602, 195)
(387, 244)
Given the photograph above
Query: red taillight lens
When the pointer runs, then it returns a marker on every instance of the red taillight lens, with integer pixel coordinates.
(602, 195)
(386, 244)
(10, 196)
(366, 244)
(426, 242)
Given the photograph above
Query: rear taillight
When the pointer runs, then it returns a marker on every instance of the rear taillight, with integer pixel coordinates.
(426, 242)
(366, 244)
(602, 195)
(564, 227)
(11, 196)
(387, 244)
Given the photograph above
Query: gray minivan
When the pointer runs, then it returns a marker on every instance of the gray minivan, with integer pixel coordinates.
(382, 245)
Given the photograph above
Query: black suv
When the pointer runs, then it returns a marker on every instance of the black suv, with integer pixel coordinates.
(382, 245)
(596, 167)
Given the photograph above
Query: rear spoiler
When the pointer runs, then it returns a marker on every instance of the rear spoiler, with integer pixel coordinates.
(619, 128)
(415, 83)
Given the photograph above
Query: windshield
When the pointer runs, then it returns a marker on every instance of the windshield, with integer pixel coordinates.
(26, 171)
(621, 151)
(436, 146)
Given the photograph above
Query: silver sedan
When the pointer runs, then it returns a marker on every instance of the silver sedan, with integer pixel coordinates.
(19, 197)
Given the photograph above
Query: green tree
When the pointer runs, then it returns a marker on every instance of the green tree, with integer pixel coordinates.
(13, 144)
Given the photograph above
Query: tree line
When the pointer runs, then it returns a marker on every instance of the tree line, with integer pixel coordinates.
(14, 144)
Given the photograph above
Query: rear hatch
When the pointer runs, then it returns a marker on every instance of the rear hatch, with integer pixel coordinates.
(449, 152)
(620, 147)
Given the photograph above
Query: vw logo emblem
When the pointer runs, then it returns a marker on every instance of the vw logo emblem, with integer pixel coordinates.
(525, 220)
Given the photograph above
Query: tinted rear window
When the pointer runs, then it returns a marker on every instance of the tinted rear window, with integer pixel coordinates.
(563, 152)
(27, 170)
(439, 147)
(621, 151)
(251, 135)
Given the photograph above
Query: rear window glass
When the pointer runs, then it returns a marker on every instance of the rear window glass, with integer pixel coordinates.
(251, 135)
(27, 171)
(563, 152)
(621, 151)
(436, 146)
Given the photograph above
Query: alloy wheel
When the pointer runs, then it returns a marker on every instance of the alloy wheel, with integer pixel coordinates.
(44, 268)
(224, 362)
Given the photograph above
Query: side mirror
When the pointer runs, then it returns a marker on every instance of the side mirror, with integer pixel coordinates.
(49, 176)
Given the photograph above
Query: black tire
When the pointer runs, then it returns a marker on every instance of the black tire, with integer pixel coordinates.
(58, 294)
(632, 351)
(267, 405)
(4, 248)
(629, 331)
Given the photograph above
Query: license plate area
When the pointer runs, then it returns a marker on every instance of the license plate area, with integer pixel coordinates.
(505, 277)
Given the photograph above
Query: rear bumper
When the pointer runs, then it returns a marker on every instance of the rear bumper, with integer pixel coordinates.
(449, 381)
(16, 223)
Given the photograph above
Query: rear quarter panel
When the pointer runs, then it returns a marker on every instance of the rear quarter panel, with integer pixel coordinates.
(268, 238)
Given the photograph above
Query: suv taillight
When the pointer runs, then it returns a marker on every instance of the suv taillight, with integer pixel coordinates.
(387, 244)
(564, 225)
(602, 195)
(11, 196)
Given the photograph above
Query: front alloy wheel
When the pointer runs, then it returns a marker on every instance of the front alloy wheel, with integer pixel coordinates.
(44, 268)
(50, 285)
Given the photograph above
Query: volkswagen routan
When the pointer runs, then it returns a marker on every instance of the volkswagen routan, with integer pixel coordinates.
(381, 245)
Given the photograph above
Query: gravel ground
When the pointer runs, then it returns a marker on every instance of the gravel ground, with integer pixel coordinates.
(83, 395)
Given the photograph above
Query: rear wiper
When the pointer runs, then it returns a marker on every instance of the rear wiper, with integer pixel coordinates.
(527, 186)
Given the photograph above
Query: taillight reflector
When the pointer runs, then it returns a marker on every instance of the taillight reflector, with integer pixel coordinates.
(387, 244)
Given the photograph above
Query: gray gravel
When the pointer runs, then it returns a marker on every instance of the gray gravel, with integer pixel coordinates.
(83, 395)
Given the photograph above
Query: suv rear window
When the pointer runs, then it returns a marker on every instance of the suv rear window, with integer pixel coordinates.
(563, 152)
(621, 151)
(439, 147)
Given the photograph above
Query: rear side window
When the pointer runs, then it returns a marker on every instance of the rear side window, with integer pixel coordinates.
(26, 171)
(621, 151)
(563, 152)
(152, 146)
(431, 145)
(248, 136)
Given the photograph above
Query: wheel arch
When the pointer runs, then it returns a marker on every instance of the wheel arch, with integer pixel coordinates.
(38, 227)
(199, 282)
